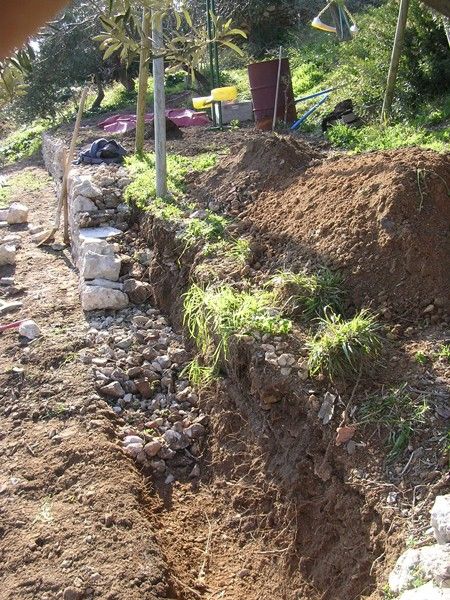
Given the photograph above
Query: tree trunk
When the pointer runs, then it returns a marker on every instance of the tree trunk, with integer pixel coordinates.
(143, 81)
(160, 106)
(395, 59)
(100, 92)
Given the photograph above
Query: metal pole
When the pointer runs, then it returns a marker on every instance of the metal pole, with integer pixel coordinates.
(143, 82)
(277, 91)
(160, 106)
(395, 59)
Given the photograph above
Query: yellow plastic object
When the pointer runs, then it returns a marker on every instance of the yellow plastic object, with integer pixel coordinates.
(318, 24)
(202, 103)
(224, 94)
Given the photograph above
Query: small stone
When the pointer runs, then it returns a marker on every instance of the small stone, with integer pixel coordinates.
(113, 390)
(144, 387)
(85, 187)
(29, 329)
(195, 472)
(440, 519)
(72, 593)
(7, 254)
(152, 448)
(132, 439)
(83, 204)
(159, 466)
(137, 291)
(101, 266)
(134, 449)
(17, 214)
(429, 309)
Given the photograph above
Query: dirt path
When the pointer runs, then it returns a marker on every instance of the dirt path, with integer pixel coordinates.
(72, 522)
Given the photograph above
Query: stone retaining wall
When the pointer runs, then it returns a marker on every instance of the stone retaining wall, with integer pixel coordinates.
(97, 218)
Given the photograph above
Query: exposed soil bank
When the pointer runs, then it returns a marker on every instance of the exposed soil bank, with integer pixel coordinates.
(380, 218)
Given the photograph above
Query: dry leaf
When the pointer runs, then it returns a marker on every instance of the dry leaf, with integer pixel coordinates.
(344, 434)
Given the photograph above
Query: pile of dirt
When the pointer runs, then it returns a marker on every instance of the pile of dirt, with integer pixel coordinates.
(381, 218)
(261, 161)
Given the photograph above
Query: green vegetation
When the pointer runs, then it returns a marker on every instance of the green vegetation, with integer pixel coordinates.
(197, 374)
(210, 229)
(400, 412)
(23, 181)
(421, 358)
(386, 137)
(22, 143)
(444, 352)
(142, 169)
(341, 348)
(310, 295)
(213, 314)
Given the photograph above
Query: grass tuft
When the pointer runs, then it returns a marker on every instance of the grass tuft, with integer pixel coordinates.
(341, 348)
(310, 295)
(213, 314)
(399, 412)
(210, 229)
(198, 374)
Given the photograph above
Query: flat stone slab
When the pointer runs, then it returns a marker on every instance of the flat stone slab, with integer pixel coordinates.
(99, 232)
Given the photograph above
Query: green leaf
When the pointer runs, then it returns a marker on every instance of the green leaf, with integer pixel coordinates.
(232, 46)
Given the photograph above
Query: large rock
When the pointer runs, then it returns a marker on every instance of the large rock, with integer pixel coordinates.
(97, 246)
(84, 186)
(7, 254)
(440, 519)
(17, 213)
(96, 298)
(95, 266)
(426, 592)
(83, 204)
(429, 562)
(137, 291)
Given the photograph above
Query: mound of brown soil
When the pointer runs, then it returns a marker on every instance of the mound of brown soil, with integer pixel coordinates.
(261, 161)
(382, 218)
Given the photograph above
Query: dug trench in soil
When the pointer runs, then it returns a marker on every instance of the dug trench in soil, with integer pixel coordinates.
(74, 513)
(281, 511)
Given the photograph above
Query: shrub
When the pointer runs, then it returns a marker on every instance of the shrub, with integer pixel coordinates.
(342, 348)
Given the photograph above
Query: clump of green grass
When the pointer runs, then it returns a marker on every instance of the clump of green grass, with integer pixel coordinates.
(399, 412)
(22, 143)
(236, 249)
(164, 208)
(444, 352)
(199, 375)
(310, 295)
(210, 229)
(421, 358)
(213, 314)
(342, 348)
(142, 190)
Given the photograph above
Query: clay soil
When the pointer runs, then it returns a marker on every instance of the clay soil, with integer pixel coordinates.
(73, 509)
(279, 511)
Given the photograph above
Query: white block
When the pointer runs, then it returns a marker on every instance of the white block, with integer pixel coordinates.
(97, 298)
(17, 213)
(440, 519)
(84, 186)
(95, 266)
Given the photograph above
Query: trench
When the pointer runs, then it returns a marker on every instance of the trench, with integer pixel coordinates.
(275, 510)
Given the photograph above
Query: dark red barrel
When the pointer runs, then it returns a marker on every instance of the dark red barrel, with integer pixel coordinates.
(263, 84)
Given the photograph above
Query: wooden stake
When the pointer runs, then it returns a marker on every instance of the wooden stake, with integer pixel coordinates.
(160, 106)
(68, 162)
(143, 81)
(395, 60)
(277, 91)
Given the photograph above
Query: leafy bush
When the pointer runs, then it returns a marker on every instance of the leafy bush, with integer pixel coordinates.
(342, 348)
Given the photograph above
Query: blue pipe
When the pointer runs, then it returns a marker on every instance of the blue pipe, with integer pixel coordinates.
(315, 95)
(303, 118)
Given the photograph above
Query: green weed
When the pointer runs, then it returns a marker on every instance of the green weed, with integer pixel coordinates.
(236, 249)
(341, 348)
(385, 137)
(421, 358)
(24, 181)
(213, 314)
(165, 209)
(142, 170)
(444, 352)
(399, 412)
(22, 143)
(210, 229)
(198, 375)
(310, 295)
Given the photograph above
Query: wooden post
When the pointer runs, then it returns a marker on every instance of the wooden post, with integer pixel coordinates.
(395, 59)
(143, 81)
(160, 106)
